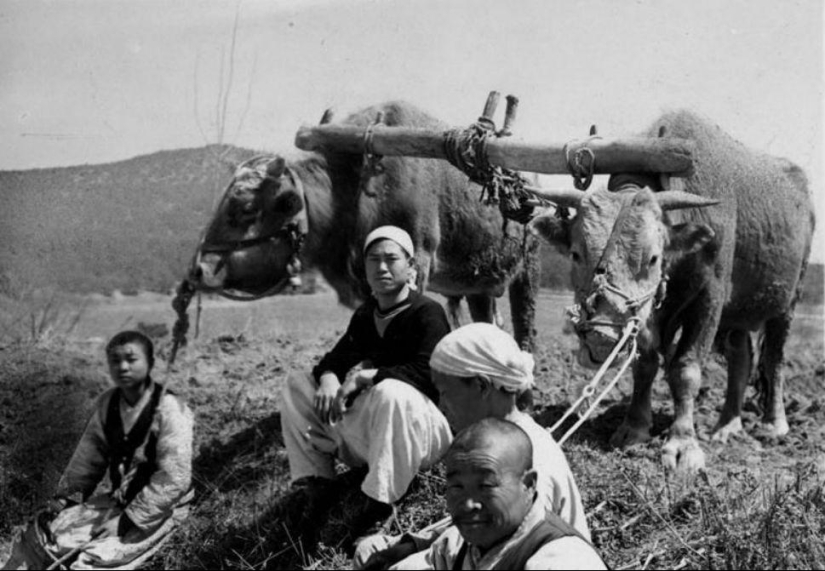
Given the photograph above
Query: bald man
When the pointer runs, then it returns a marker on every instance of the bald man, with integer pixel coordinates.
(498, 522)
(479, 371)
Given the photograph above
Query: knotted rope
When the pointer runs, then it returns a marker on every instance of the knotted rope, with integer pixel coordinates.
(581, 163)
(466, 149)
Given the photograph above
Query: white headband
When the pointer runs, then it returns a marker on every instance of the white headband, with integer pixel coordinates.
(393, 233)
(484, 349)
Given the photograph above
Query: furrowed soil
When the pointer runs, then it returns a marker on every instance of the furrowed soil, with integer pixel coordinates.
(760, 503)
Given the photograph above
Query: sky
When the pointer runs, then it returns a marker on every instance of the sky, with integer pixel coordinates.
(94, 81)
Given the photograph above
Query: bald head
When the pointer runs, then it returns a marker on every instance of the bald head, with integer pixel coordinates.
(490, 481)
(499, 438)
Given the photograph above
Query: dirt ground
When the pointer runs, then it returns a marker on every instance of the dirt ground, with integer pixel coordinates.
(231, 377)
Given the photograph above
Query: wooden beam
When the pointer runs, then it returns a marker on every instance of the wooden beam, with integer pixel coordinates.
(635, 154)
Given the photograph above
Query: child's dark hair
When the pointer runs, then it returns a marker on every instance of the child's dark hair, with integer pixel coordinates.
(124, 337)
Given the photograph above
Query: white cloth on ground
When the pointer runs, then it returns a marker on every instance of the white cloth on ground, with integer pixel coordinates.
(391, 427)
(484, 349)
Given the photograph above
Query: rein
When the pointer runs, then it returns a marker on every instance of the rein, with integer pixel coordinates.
(631, 330)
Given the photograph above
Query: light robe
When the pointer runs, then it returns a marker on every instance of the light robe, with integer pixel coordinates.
(155, 510)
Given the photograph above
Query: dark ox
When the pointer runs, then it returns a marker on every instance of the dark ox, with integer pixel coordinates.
(317, 209)
(732, 251)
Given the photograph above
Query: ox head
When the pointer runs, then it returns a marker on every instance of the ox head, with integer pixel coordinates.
(251, 246)
(620, 244)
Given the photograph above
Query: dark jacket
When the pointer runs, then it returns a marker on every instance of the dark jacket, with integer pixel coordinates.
(404, 351)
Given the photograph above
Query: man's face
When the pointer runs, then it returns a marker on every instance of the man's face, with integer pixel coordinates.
(460, 399)
(128, 365)
(388, 267)
(487, 497)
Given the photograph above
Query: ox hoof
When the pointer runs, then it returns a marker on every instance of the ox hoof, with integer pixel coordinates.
(683, 454)
(627, 435)
(775, 428)
(724, 431)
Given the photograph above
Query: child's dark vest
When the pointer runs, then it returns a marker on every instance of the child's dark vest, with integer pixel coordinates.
(122, 447)
(551, 528)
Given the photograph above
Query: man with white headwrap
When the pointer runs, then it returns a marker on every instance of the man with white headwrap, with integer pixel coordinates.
(370, 401)
(479, 370)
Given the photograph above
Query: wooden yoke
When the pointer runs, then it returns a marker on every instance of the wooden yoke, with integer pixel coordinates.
(635, 154)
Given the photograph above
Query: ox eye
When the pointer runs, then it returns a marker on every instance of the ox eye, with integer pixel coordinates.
(653, 260)
(575, 257)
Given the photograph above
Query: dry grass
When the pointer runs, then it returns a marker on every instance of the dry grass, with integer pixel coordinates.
(759, 505)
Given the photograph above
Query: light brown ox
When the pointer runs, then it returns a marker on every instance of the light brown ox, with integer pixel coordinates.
(463, 248)
(733, 247)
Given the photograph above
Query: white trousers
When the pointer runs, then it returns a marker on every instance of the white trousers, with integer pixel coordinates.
(391, 427)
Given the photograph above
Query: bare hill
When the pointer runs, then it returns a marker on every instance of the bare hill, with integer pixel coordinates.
(126, 225)
(133, 225)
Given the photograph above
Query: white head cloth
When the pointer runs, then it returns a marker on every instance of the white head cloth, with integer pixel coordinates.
(393, 233)
(484, 349)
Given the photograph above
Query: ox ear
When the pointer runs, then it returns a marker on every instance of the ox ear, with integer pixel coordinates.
(688, 238)
(275, 169)
(554, 229)
(675, 199)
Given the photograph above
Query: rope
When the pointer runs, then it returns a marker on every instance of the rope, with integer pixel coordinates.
(371, 163)
(582, 165)
(630, 332)
(466, 149)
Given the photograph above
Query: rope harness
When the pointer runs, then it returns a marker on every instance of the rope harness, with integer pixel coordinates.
(578, 315)
(631, 330)
(466, 149)
(582, 163)
(293, 232)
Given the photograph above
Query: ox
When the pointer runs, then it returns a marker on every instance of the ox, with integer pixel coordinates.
(732, 249)
(318, 208)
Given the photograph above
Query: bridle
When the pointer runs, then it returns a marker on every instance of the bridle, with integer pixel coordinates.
(293, 232)
(599, 286)
(578, 314)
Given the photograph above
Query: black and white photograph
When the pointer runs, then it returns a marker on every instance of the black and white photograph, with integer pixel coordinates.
(412, 284)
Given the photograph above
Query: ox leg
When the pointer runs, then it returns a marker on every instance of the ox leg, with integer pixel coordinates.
(635, 427)
(770, 380)
(523, 292)
(682, 448)
(482, 308)
(454, 311)
(739, 356)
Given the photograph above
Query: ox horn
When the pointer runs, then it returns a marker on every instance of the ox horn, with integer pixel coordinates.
(675, 199)
(560, 197)
(327, 116)
(276, 168)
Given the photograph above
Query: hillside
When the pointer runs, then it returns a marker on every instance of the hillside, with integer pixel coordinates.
(128, 225)
(133, 225)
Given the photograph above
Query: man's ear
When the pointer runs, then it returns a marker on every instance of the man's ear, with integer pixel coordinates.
(529, 479)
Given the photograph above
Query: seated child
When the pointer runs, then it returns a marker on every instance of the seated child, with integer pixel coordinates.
(142, 435)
